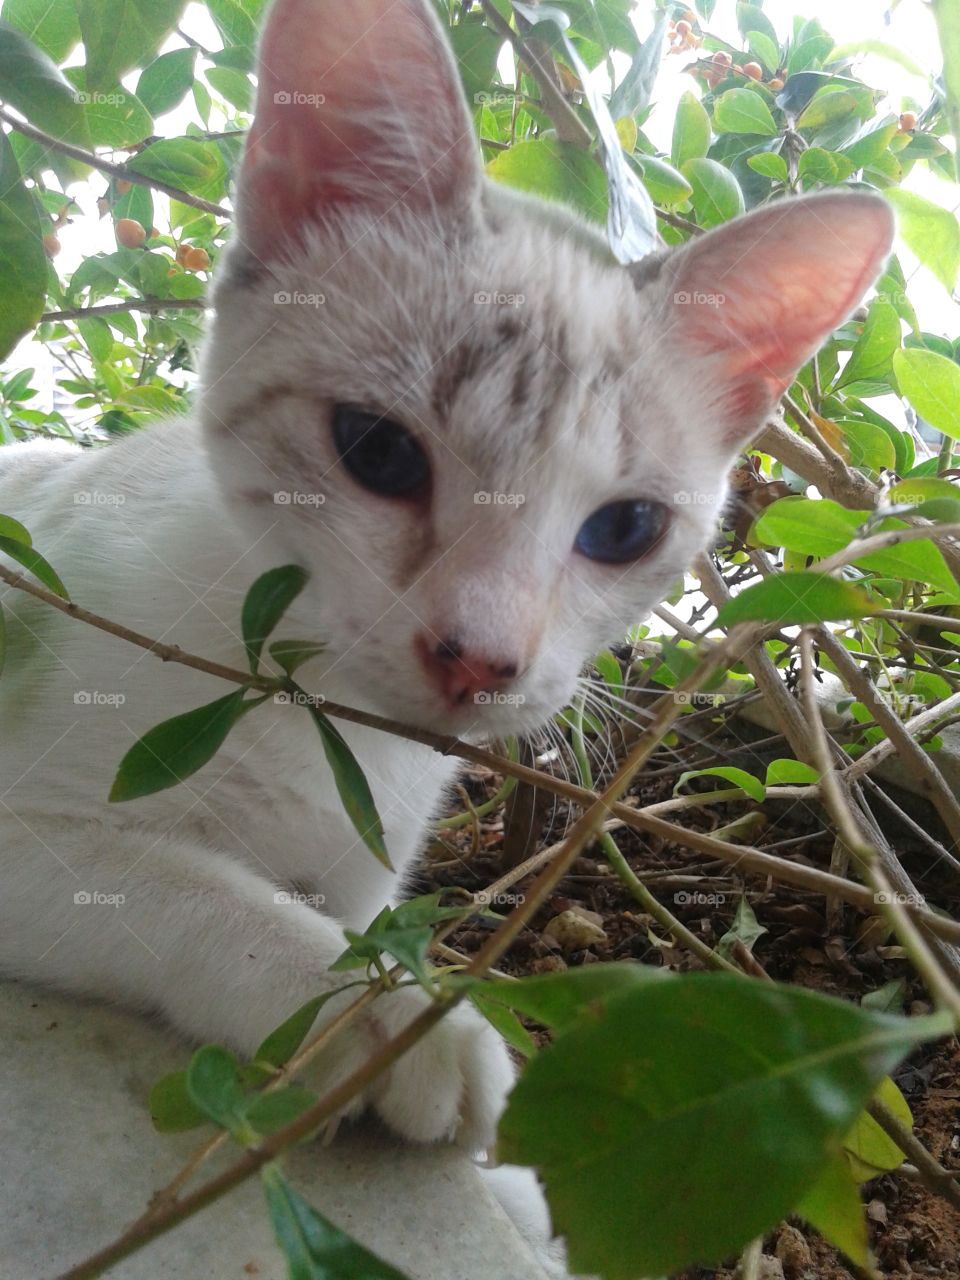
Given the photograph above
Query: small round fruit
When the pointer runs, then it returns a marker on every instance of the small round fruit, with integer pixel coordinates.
(908, 121)
(753, 70)
(776, 84)
(196, 259)
(123, 186)
(722, 59)
(153, 233)
(130, 233)
(51, 245)
(683, 28)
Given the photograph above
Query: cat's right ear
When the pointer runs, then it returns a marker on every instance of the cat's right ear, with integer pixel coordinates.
(359, 105)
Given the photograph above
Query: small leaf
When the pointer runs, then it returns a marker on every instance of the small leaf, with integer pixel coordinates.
(177, 748)
(172, 1110)
(283, 1042)
(833, 1206)
(554, 170)
(119, 35)
(166, 81)
(746, 929)
(14, 531)
(932, 233)
(931, 383)
(558, 1000)
(786, 598)
(753, 787)
(352, 787)
(290, 655)
(314, 1248)
(716, 193)
(265, 604)
(214, 1087)
(665, 184)
(869, 1151)
(770, 164)
(872, 356)
(268, 1112)
(34, 561)
(691, 130)
(506, 1022)
(743, 111)
(789, 773)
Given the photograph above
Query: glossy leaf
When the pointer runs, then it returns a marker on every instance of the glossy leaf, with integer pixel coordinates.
(265, 604)
(931, 232)
(691, 130)
(32, 82)
(352, 787)
(24, 554)
(789, 598)
(743, 111)
(23, 266)
(716, 193)
(747, 783)
(932, 385)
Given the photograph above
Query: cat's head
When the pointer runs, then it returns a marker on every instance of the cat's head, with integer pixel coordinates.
(493, 448)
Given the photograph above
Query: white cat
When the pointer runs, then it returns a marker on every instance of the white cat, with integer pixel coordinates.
(491, 447)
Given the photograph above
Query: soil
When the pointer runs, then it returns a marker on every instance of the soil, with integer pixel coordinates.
(840, 953)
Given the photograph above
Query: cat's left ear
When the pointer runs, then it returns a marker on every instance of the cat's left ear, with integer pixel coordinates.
(359, 105)
(745, 306)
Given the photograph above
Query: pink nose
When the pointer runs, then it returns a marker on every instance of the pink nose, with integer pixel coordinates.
(460, 675)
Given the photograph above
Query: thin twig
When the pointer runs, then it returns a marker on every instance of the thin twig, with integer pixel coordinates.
(129, 304)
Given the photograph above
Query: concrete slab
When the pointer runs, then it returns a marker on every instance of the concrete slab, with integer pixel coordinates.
(81, 1159)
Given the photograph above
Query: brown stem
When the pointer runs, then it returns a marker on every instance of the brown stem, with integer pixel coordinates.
(152, 305)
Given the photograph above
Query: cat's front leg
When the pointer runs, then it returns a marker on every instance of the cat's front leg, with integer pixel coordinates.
(174, 927)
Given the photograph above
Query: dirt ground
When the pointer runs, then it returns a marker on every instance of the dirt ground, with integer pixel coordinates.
(913, 1233)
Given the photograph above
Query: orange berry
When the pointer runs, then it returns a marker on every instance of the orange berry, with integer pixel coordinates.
(776, 84)
(153, 233)
(683, 28)
(722, 59)
(130, 233)
(196, 259)
(753, 70)
(123, 186)
(51, 245)
(908, 121)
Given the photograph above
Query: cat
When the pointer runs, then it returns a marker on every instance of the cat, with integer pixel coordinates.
(492, 448)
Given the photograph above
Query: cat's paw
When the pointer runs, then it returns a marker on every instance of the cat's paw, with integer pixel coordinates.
(452, 1085)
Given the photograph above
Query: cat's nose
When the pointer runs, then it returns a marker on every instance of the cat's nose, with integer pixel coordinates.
(461, 675)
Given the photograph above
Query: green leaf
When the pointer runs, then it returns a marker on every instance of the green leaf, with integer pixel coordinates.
(691, 130)
(765, 50)
(24, 554)
(283, 1042)
(187, 163)
(750, 17)
(871, 448)
(786, 598)
(770, 164)
(554, 170)
(172, 1110)
(743, 111)
(505, 1021)
(213, 1086)
(834, 1207)
(931, 383)
(476, 48)
(177, 748)
(268, 1112)
(115, 118)
(753, 787)
(790, 773)
(121, 34)
(266, 602)
(665, 184)
(14, 531)
(746, 930)
(97, 336)
(819, 166)
(232, 85)
(686, 1071)
(931, 233)
(52, 27)
(872, 356)
(352, 787)
(31, 82)
(716, 193)
(828, 107)
(559, 1000)
(869, 1151)
(238, 23)
(23, 264)
(290, 655)
(936, 499)
(166, 81)
(314, 1248)
(880, 49)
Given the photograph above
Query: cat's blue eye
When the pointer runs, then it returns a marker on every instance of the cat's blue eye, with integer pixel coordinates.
(380, 454)
(622, 531)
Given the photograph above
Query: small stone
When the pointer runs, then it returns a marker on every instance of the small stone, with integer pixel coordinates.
(877, 1212)
(793, 1252)
(770, 1268)
(576, 928)
(548, 964)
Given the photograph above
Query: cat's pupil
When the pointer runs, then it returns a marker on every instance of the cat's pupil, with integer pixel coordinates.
(380, 454)
(622, 531)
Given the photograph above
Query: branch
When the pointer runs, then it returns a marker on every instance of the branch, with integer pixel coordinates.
(107, 166)
(153, 305)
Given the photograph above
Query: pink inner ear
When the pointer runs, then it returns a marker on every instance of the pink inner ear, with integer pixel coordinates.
(762, 294)
(357, 104)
